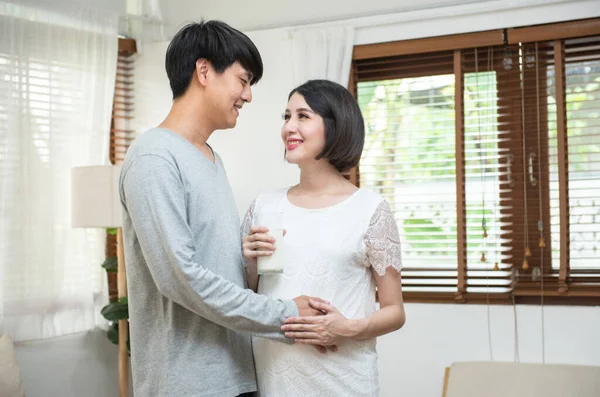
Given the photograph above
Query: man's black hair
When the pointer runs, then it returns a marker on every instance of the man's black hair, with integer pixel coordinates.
(215, 41)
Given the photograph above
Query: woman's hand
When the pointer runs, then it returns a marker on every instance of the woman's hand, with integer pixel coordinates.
(329, 329)
(258, 243)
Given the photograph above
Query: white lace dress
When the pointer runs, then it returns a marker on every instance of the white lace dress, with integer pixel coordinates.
(330, 253)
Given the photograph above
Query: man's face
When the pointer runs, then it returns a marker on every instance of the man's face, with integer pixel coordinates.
(228, 92)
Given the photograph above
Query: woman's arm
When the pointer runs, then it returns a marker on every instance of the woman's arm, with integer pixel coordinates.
(333, 328)
(390, 317)
(252, 277)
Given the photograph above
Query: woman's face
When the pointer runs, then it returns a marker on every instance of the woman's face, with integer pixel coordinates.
(303, 132)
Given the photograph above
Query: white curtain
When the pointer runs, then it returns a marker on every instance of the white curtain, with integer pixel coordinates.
(57, 73)
(322, 53)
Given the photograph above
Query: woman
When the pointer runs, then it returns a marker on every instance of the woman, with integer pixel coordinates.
(341, 244)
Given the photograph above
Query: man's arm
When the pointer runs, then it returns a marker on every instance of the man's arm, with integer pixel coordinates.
(155, 200)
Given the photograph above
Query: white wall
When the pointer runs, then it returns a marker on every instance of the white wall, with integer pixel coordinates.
(412, 360)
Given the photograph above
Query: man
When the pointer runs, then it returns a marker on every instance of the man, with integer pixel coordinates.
(191, 318)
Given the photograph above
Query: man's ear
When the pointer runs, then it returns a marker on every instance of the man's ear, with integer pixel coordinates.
(202, 70)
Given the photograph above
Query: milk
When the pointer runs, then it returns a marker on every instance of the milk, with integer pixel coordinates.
(273, 264)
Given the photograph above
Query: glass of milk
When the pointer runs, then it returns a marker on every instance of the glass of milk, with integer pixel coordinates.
(272, 264)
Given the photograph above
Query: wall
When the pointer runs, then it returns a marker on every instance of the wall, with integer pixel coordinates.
(412, 360)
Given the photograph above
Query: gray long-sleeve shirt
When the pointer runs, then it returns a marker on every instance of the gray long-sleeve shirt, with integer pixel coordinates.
(190, 314)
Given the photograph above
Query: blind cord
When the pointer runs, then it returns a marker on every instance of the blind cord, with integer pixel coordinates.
(540, 222)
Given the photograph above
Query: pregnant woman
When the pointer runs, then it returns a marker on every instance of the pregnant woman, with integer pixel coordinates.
(341, 244)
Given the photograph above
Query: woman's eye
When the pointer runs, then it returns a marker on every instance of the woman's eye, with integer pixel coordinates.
(286, 117)
(302, 116)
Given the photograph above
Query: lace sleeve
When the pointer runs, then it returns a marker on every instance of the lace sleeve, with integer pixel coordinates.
(383, 241)
(246, 224)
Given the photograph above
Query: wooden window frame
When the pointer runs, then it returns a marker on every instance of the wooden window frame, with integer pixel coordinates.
(557, 288)
(127, 48)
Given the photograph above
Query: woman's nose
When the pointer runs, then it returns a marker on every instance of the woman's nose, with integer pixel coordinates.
(290, 127)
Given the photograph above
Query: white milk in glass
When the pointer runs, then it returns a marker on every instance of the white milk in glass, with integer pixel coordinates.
(272, 264)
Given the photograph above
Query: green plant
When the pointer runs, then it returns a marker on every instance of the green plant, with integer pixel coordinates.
(117, 309)
(111, 264)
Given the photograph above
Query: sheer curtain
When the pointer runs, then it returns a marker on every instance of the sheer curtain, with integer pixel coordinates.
(322, 53)
(57, 73)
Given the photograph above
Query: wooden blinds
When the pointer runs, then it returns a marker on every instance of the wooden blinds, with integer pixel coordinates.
(121, 134)
(489, 155)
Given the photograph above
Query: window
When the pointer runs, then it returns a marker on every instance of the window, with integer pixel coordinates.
(489, 157)
(56, 81)
(582, 99)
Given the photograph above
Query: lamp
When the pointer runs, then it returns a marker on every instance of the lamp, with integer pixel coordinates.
(95, 203)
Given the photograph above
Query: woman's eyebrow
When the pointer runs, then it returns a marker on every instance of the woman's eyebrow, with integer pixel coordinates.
(304, 110)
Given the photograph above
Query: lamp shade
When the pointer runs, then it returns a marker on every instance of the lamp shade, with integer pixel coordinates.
(95, 196)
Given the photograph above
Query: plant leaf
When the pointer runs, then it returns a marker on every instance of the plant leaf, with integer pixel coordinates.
(113, 333)
(111, 264)
(115, 311)
(112, 231)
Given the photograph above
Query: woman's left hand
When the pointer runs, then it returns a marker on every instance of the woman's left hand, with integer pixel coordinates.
(329, 329)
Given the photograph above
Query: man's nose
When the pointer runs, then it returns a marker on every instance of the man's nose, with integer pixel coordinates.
(247, 94)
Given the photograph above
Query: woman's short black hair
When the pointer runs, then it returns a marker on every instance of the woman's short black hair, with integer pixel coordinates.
(344, 124)
(214, 41)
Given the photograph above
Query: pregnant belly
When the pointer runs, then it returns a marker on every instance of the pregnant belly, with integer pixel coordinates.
(288, 370)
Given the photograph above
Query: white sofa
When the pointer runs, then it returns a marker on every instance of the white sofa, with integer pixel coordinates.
(10, 373)
(503, 379)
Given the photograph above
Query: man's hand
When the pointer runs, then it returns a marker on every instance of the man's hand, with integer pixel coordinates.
(328, 328)
(304, 308)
